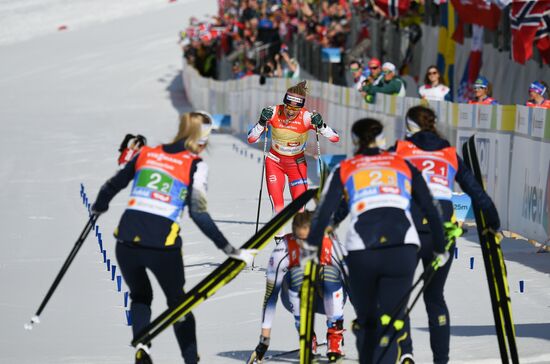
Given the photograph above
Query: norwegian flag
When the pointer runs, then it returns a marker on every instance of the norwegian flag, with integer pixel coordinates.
(525, 21)
(543, 37)
(393, 8)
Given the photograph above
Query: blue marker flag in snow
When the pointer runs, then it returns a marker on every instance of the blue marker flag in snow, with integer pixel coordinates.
(113, 272)
(119, 284)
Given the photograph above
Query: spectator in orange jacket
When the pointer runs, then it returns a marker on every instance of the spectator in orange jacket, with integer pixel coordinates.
(482, 92)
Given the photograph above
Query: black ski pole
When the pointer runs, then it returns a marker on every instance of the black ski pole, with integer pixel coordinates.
(266, 130)
(89, 226)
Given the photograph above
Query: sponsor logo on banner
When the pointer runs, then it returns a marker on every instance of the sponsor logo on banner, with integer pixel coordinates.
(532, 201)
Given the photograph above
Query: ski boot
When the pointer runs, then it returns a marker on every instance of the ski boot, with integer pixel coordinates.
(335, 341)
(257, 355)
(142, 355)
(406, 359)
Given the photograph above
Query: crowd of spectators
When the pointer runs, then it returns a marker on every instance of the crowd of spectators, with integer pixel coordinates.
(252, 36)
(383, 79)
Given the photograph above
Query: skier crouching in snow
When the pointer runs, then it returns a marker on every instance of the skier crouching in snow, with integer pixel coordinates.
(440, 167)
(284, 271)
(166, 178)
(290, 124)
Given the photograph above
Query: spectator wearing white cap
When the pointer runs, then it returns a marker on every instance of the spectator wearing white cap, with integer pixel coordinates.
(391, 84)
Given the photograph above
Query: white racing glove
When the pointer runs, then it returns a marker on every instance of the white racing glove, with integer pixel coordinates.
(245, 255)
(440, 259)
(309, 252)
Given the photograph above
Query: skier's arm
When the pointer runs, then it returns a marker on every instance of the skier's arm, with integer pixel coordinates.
(341, 213)
(480, 198)
(198, 205)
(330, 200)
(255, 133)
(323, 128)
(114, 185)
(423, 198)
(388, 88)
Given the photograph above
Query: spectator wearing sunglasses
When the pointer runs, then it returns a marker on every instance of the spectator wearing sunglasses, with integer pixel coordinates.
(358, 73)
(391, 84)
(375, 68)
(482, 92)
(536, 95)
(433, 87)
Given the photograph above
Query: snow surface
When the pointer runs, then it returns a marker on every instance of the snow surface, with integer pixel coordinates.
(66, 101)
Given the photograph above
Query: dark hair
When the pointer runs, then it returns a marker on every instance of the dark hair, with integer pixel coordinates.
(359, 63)
(302, 219)
(366, 130)
(424, 117)
(427, 79)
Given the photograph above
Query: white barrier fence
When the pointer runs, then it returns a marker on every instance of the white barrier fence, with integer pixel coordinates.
(513, 142)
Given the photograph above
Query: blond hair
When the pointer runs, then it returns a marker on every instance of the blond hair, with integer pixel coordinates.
(299, 89)
(190, 130)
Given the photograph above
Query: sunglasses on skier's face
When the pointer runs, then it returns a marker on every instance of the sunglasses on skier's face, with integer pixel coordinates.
(293, 108)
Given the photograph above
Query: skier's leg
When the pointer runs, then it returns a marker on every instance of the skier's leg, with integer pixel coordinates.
(168, 269)
(275, 180)
(141, 294)
(295, 280)
(364, 286)
(396, 280)
(297, 176)
(333, 299)
(333, 293)
(438, 313)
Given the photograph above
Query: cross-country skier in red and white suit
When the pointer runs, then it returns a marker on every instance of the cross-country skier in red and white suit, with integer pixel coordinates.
(289, 124)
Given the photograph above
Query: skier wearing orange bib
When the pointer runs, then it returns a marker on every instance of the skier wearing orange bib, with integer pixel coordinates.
(289, 124)
(440, 166)
(167, 178)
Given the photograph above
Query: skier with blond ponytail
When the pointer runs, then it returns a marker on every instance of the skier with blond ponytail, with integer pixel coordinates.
(290, 124)
(167, 178)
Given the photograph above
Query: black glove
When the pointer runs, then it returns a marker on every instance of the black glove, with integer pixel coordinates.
(267, 114)
(125, 142)
(98, 208)
(317, 120)
(261, 349)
